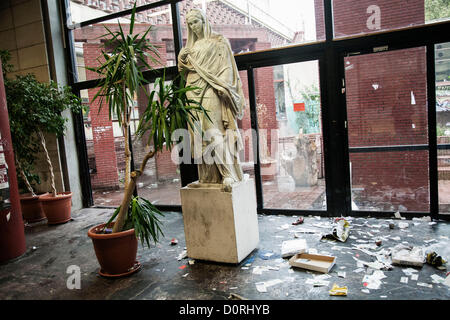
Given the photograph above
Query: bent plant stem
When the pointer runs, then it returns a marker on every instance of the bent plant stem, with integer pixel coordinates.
(122, 215)
(25, 179)
(49, 162)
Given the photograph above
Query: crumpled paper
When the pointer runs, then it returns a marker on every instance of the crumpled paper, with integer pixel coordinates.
(336, 290)
(340, 231)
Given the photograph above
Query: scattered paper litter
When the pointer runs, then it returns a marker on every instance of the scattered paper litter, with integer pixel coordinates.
(424, 284)
(365, 291)
(337, 290)
(447, 281)
(182, 255)
(404, 279)
(409, 271)
(262, 286)
(405, 255)
(292, 247)
(358, 270)
(317, 282)
(437, 279)
(185, 275)
(341, 274)
(414, 277)
(403, 225)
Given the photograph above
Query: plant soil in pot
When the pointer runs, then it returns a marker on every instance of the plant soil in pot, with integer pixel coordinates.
(57, 209)
(32, 210)
(116, 252)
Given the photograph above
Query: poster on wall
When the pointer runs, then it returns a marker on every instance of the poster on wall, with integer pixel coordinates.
(4, 184)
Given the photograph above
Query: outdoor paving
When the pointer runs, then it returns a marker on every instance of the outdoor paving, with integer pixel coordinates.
(41, 273)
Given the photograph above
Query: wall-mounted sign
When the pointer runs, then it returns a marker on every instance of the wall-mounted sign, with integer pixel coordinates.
(299, 106)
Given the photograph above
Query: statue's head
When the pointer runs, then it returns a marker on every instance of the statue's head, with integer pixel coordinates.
(195, 20)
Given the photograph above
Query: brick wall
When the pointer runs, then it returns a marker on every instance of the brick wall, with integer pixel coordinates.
(380, 109)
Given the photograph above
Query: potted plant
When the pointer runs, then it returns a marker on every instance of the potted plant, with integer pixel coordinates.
(24, 144)
(36, 109)
(124, 58)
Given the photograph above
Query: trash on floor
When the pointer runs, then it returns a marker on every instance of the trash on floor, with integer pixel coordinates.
(262, 286)
(340, 231)
(315, 262)
(337, 290)
(373, 281)
(298, 221)
(292, 247)
(182, 255)
(408, 256)
(173, 242)
(436, 261)
(235, 296)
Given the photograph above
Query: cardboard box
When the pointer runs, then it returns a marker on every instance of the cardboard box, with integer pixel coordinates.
(313, 262)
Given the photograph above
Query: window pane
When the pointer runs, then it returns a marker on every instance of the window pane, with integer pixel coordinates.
(105, 149)
(442, 66)
(390, 181)
(88, 45)
(161, 181)
(368, 16)
(290, 135)
(252, 25)
(387, 98)
(387, 106)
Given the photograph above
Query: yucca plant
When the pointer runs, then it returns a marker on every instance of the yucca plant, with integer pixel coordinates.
(121, 66)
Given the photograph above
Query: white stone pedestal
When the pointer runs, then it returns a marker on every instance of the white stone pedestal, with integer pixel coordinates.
(220, 226)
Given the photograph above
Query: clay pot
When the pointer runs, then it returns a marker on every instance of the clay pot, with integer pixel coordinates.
(57, 209)
(31, 206)
(116, 252)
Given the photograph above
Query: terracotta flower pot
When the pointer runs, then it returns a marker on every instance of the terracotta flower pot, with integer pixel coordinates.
(57, 209)
(116, 252)
(31, 206)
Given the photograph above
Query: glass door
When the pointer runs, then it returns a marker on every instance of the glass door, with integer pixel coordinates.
(387, 123)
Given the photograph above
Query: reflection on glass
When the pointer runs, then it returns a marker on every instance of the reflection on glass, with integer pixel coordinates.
(290, 135)
(252, 25)
(390, 181)
(386, 97)
(87, 39)
(442, 67)
(368, 16)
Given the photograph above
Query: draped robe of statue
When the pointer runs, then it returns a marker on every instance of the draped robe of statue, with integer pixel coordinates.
(210, 65)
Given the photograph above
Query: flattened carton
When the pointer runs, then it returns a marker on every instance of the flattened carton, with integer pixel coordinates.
(313, 262)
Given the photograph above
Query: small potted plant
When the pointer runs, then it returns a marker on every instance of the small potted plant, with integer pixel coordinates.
(121, 66)
(24, 144)
(36, 109)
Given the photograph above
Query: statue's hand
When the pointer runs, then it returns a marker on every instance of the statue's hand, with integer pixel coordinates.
(184, 53)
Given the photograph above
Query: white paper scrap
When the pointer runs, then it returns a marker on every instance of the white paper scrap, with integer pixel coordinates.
(437, 279)
(341, 274)
(182, 255)
(404, 279)
(317, 282)
(292, 247)
(424, 284)
(261, 287)
(365, 291)
(414, 277)
(447, 281)
(358, 270)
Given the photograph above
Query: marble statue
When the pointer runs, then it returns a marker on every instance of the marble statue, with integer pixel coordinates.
(208, 63)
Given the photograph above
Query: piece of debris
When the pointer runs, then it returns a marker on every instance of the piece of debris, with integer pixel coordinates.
(292, 247)
(391, 225)
(320, 263)
(365, 291)
(185, 275)
(235, 296)
(340, 231)
(422, 284)
(191, 262)
(337, 290)
(341, 274)
(436, 261)
(447, 281)
(373, 281)
(404, 280)
(182, 267)
(437, 279)
(414, 277)
(173, 242)
(397, 215)
(262, 286)
(403, 225)
(298, 221)
(378, 243)
(407, 255)
(182, 255)
(317, 282)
